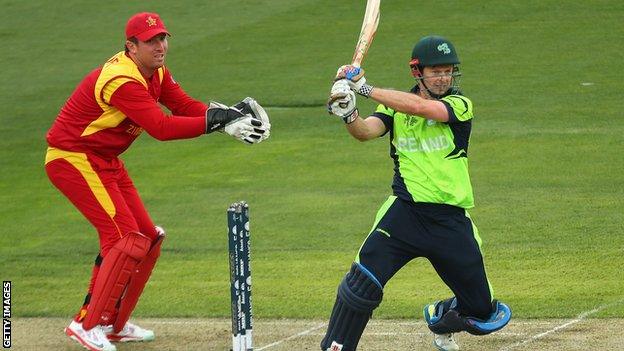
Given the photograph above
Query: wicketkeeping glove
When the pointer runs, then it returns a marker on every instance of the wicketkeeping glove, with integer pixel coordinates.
(355, 77)
(341, 101)
(232, 121)
(250, 106)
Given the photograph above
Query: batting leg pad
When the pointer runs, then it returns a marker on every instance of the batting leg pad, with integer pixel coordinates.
(115, 272)
(443, 318)
(139, 278)
(359, 294)
(497, 320)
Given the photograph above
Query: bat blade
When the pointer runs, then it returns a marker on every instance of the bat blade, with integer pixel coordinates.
(367, 33)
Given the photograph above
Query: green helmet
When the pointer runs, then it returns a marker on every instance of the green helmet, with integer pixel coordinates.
(432, 51)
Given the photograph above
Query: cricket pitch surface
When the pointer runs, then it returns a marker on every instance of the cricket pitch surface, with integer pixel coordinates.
(296, 334)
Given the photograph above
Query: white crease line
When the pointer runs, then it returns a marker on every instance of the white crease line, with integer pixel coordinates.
(182, 322)
(381, 323)
(219, 321)
(310, 331)
(378, 323)
(579, 318)
(415, 334)
(292, 337)
(531, 323)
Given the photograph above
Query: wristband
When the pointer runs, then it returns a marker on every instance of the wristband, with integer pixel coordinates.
(365, 90)
(350, 118)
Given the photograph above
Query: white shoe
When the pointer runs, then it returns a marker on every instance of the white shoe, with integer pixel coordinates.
(445, 342)
(130, 332)
(92, 339)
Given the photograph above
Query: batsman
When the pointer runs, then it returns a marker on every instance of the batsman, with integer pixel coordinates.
(427, 216)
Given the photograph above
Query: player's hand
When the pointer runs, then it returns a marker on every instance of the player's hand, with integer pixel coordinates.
(250, 106)
(341, 101)
(355, 77)
(247, 129)
(234, 122)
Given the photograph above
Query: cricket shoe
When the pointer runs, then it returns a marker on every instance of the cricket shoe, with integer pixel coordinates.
(93, 339)
(445, 342)
(130, 332)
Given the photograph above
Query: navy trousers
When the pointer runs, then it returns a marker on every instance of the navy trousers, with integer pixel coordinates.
(443, 234)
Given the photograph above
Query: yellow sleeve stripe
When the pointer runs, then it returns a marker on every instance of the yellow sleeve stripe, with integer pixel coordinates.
(111, 87)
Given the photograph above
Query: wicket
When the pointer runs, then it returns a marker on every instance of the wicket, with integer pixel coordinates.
(240, 276)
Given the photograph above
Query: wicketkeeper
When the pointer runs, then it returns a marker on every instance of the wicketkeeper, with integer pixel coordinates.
(427, 216)
(108, 110)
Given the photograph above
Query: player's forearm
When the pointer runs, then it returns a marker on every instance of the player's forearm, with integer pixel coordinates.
(189, 107)
(410, 103)
(134, 102)
(160, 126)
(178, 127)
(163, 127)
(398, 100)
(358, 129)
(364, 129)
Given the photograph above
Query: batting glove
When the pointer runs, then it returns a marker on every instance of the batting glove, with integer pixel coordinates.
(355, 77)
(341, 102)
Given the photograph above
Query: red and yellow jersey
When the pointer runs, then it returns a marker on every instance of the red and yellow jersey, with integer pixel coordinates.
(113, 104)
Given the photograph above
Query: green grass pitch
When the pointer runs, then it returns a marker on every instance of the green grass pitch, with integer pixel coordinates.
(545, 155)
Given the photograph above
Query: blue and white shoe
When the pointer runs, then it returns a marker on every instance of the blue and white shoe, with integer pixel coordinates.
(445, 342)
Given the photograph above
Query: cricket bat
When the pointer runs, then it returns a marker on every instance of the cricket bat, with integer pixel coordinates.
(367, 33)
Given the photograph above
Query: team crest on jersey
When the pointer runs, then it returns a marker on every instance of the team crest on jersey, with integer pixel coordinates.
(410, 121)
(444, 48)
